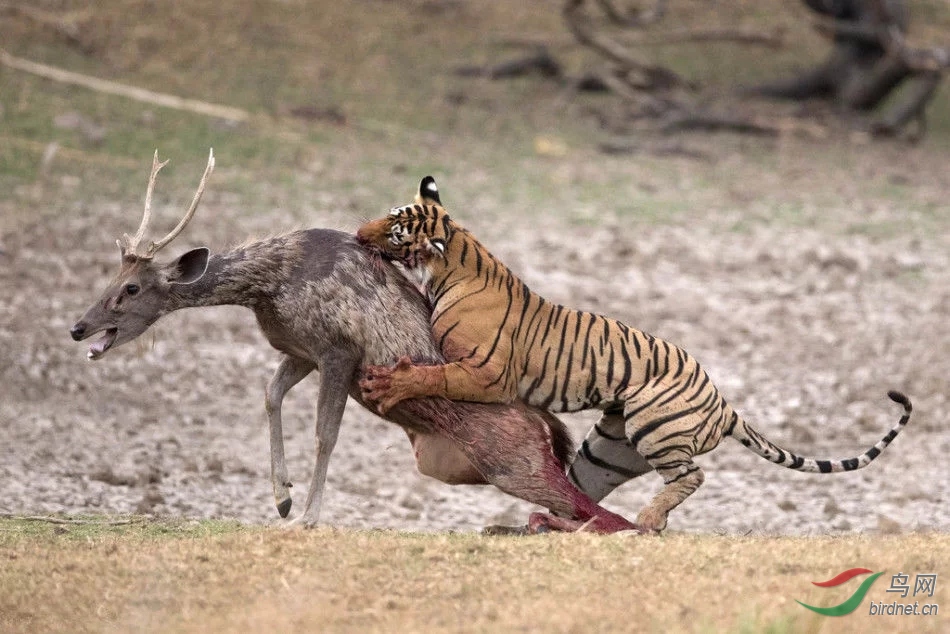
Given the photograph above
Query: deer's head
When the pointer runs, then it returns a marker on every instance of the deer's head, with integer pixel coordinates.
(138, 295)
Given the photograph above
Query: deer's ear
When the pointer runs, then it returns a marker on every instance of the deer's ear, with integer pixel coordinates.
(189, 267)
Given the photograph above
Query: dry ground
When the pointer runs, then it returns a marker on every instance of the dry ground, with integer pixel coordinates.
(804, 311)
(207, 577)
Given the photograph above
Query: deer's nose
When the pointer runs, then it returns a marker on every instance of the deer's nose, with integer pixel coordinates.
(78, 331)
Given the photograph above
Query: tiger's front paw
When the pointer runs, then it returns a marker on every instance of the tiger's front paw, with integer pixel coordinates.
(387, 386)
(375, 385)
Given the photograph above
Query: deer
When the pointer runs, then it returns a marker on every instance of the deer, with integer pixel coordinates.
(328, 305)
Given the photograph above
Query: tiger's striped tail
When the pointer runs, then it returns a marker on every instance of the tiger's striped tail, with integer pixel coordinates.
(768, 450)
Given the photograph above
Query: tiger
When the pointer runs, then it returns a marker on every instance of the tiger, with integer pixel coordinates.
(503, 342)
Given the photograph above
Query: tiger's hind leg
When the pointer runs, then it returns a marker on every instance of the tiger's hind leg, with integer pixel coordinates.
(664, 430)
(679, 483)
(606, 459)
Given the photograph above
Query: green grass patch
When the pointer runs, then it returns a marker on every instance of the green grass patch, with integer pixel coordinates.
(14, 529)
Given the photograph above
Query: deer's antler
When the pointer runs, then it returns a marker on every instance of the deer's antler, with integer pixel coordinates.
(130, 244)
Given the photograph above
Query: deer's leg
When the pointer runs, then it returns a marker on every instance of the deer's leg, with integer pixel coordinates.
(440, 458)
(511, 446)
(289, 373)
(336, 375)
(530, 471)
(606, 459)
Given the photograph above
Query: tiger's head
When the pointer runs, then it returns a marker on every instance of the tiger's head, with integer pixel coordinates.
(413, 235)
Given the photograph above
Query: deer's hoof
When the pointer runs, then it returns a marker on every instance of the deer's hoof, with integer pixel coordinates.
(283, 507)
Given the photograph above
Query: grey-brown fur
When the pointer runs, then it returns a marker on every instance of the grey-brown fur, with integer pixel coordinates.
(327, 305)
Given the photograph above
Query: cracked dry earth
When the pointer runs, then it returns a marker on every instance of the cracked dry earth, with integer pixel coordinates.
(803, 330)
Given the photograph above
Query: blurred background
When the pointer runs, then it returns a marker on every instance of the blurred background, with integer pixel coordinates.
(631, 159)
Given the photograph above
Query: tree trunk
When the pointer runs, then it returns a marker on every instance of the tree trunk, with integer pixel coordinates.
(868, 62)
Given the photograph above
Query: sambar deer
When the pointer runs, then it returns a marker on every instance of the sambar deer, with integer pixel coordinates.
(325, 304)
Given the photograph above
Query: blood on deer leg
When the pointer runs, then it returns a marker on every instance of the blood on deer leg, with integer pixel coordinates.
(514, 450)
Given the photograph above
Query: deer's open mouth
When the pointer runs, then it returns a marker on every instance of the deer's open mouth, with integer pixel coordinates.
(103, 343)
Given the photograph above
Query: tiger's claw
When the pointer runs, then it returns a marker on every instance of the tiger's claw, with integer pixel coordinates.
(386, 386)
(375, 383)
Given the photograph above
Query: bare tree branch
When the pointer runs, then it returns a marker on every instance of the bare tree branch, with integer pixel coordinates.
(540, 61)
(122, 90)
(711, 122)
(616, 52)
(870, 60)
(738, 35)
(838, 29)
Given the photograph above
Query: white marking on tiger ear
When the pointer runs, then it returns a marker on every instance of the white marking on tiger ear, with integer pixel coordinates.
(428, 192)
(395, 211)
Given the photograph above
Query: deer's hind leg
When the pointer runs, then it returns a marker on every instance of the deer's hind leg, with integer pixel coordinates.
(663, 428)
(289, 373)
(336, 375)
(513, 448)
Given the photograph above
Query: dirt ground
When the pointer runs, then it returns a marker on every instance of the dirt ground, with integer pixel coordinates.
(803, 323)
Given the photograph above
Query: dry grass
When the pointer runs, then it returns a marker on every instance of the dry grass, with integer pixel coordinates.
(201, 577)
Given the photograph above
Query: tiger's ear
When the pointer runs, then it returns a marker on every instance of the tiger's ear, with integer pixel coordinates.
(428, 193)
(437, 247)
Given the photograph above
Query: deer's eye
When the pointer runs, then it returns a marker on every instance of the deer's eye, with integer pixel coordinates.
(132, 289)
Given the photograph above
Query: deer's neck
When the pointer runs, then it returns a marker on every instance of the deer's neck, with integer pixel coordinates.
(250, 275)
